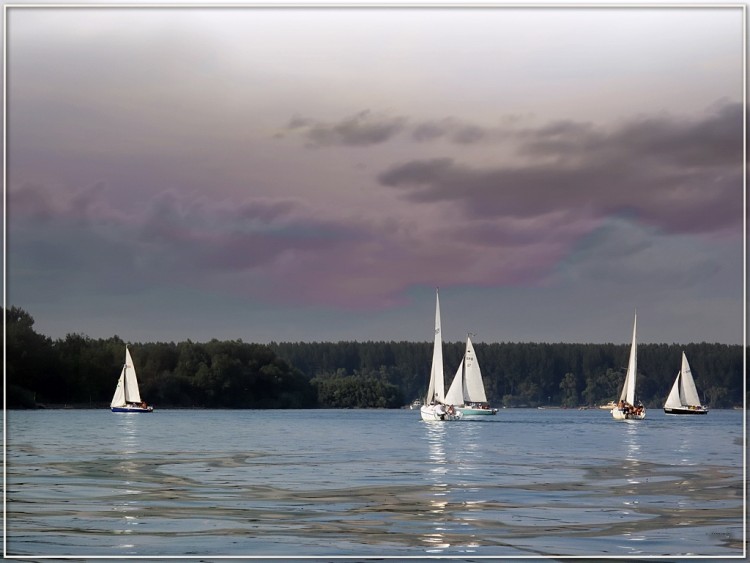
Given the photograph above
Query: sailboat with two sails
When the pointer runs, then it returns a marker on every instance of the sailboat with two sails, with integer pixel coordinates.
(467, 389)
(683, 398)
(627, 408)
(127, 396)
(433, 407)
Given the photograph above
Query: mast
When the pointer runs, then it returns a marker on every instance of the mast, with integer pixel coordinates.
(628, 388)
(436, 389)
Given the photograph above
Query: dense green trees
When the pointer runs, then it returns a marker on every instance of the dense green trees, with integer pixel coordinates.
(532, 374)
(31, 361)
(234, 374)
(359, 390)
(84, 371)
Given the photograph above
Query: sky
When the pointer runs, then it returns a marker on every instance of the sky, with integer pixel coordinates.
(314, 174)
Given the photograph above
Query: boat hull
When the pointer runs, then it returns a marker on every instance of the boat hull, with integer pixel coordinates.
(619, 414)
(429, 414)
(685, 410)
(468, 411)
(132, 409)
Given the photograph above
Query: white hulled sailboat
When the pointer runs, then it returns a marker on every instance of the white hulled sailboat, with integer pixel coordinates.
(626, 408)
(127, 396)
(467, 389)
(433, 407)
(683, 398)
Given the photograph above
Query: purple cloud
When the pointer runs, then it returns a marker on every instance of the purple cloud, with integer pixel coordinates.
(278, 250)
(678, 175)
(461, 224)
(453, 130)
(361, 129)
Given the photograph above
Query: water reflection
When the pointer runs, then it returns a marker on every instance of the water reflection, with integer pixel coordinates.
(126, 433)
(632, 471)
(438, 468)
(125, 487)
(632, 456)
(456, 493)
(686, 446)
(128, 468)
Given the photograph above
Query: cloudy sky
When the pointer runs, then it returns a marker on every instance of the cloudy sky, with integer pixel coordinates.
(312, 174)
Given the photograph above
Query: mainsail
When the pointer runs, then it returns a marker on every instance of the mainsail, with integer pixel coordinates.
(473, 384)
(436, 389)
(455, 394)
(127, 386)
(683, 391)
(628, 389)
(467, 385)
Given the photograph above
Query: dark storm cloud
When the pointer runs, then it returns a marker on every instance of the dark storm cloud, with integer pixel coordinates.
(715, 139)
(365, 128)
(281, 250)
(193, 235)
(360, 129)
(679, 175)
(452, 130)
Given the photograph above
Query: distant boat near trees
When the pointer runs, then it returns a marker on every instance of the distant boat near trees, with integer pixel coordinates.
(127, 396)
(434, 408)
(467, 389)
(683, 398)
(77, 371)
(627, 408)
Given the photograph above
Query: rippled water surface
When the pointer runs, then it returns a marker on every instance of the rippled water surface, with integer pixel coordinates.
(373, 483)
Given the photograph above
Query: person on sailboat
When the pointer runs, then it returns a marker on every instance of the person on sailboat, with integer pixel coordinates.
(626, 407)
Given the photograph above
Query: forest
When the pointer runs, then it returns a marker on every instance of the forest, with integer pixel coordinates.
(80, 371)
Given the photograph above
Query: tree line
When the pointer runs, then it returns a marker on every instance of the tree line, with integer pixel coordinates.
(535, 374)
(78, 370)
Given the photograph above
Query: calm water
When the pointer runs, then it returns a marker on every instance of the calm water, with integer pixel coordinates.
(373, 483)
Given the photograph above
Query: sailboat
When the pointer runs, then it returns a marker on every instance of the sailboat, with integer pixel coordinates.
(433, 407)
(626, 408)
(127, 397)
(683, 398)
(467, 389)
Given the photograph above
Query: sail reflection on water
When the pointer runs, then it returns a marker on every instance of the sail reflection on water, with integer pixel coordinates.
(455, 456)
(632, 456)
(127, 498)
(632, 443)
(632, 469)
(126, 435)
(438, 489)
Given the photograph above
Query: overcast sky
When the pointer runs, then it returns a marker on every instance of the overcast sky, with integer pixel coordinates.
(287, 174)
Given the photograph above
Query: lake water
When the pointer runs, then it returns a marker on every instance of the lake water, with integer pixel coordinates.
(366, 483)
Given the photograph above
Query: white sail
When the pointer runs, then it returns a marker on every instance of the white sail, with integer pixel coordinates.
(628, 388)
(436, 389)
(473, 384)
(683, 393)
(119, 398)
(455, 394)
(688, 392)
(467, 385)
(127, 386)
(673, 401)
